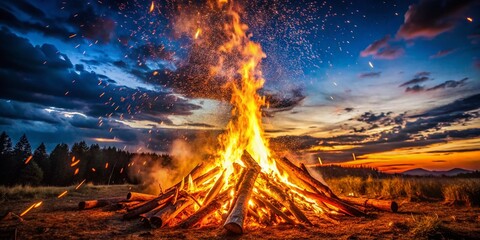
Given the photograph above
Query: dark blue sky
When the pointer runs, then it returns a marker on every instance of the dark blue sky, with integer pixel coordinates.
(383, 80)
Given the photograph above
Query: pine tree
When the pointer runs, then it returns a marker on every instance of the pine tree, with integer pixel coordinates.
(30, 174)
(21, 153)
(61, 170)
(22, 149)
(6, 160)
(5, 144)
(40, 157)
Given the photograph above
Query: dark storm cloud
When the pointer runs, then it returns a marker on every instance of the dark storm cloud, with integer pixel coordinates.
(91, 25)
(449, 84)
(430, 18)
(42, 77)
(9, 11)
(443, 53)
(150, 52)
(369, 75)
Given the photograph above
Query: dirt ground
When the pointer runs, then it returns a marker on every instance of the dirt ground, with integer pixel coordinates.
(60, 219)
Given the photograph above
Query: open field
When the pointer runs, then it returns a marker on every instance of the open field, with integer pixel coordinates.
(60, 219)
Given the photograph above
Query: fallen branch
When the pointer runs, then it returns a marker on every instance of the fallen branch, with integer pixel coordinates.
(99, 202)
(384, 205)
(135, 196)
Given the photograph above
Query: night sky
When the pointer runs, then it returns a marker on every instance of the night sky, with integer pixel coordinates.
(394, 82)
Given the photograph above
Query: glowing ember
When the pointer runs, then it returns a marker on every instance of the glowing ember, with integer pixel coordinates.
(80, 184)
(62, 194)
(152, 7)
(28, 159)
(35, 205)
(197, 33)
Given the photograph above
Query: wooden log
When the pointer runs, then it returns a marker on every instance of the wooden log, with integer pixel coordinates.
(383, 205)
(274, 209)
(297, 173)
(122, 205)
(278, 194)
(99, 202)
(168, 212)
(196, 172)
(236, 218)
(148, 206)
(215, 189)
(136, 196)
(151, 213)
(337, 203)
(205, 210)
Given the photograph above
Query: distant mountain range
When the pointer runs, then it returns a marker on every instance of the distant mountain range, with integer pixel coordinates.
(424, 172)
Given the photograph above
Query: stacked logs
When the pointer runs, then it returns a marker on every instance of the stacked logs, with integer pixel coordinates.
(250, 194)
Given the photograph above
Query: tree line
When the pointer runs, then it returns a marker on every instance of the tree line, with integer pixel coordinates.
(65, 166)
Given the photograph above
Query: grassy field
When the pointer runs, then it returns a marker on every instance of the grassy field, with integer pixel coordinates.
(422, 214)
(455, 191)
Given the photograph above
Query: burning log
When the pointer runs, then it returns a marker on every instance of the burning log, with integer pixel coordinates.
(275, 210)
(281, 197)
(296, 172)
(168, 212)
(205, 211)
(236, 218)
(99, 202)
(215, 189)
(383, 205)
(135, 196)
(337, 203)
(148, 206)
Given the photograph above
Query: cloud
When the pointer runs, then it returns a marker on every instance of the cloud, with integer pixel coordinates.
(381, 49)
(389, 53)
(458, 106)
(369, 75)
(415, 88)
(449, 84)
(82, 103)
(430, 18)
(373, 48)
(419, 78)
(283, 102)
(443, 53)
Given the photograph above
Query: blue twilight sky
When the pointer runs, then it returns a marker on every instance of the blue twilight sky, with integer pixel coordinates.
(396, 83)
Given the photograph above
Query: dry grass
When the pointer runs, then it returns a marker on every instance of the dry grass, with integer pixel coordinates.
(425, 226)
(39, 192)
(452, 190)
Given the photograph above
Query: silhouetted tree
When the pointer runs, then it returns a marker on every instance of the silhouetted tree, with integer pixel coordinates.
(40, 157)
(61, 170)
(80, 152)
(5, 144)
(30, 174)
(6, 159)
(21, 153)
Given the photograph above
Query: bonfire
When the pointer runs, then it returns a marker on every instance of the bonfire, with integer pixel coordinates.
(246, 184)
